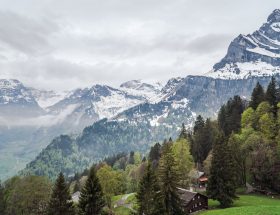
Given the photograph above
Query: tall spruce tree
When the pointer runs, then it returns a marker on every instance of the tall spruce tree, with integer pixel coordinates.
(257, 97)
(271, 94)
(229, 117)
(198, 124)
(169, 180)
(183, 134)
(148, 195)
(2, 201)
(154, 155)
(91, 201)
(222, 179)
(61, 201)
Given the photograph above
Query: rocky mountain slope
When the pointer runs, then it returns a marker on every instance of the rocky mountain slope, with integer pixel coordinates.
(251, 55)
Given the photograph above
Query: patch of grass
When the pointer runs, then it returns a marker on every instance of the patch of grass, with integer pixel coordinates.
(116, 198)
(247, 204)
(131, 199)
(122, 211)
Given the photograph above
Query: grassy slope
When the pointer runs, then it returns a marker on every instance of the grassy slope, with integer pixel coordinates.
(121, 210)
(247, 205)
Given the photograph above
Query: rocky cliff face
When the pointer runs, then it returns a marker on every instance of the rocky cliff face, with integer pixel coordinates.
(206, 95)
(251, 55)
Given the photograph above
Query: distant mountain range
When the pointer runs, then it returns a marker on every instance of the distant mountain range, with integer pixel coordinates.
(30, 118)
(137, 114)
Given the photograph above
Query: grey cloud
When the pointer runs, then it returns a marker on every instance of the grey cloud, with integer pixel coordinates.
(207, 44)
(24, 34)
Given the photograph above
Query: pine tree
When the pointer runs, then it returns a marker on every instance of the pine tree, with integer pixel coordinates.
(169, 180)
(199, 124)
(61, 201)
(229, 118)
(183, 134)
(222, 180)
(91, 201)
(148, 195)
(257, 96)
(131, 158)
(2, 202)
(271, 94)
(154, 154)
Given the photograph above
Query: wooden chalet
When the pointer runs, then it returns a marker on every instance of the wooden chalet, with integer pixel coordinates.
(192, 201)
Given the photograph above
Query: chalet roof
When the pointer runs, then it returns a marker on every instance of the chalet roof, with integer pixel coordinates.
(187, 195)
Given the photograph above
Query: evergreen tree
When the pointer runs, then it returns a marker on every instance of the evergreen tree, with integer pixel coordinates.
(169, 180)
(61, 201)
(229, 118)
(2, 202)
(148, 195)
(154, 154)
(257, 96)
(77, 186)
(91, 201)
(131, 158)
(201, 143)
(199, 124)
(222, 180)
(183, 134)
(271, 94)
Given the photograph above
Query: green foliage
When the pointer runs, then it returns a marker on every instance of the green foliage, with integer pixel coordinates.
(202, 140)
(2, 201)
(169, 181)
(257, 97)
(148, 195)
(248, 118)
(27, 196)
(268, 126)
(91, 201)
(222, 180)
(184, 161)
(271, 94)
(61, 200)
(183, 134)
(229, 117)
(112, 182)
(154, 154)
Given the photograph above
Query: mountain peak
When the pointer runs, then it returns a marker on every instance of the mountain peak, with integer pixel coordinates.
(256, 54)
(274, 16)
(9, 83)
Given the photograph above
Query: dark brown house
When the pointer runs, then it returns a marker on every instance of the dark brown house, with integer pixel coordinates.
(193, 201)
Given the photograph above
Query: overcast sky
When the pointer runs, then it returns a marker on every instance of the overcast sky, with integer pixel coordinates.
(64, 44)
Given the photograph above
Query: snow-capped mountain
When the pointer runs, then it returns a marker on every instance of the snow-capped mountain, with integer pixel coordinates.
(16, 99)
(13, 92)
(256, 54)
(101, 101)
(47, 98)
(149, 92)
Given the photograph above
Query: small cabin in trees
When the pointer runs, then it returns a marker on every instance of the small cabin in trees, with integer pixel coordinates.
(192, 201)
